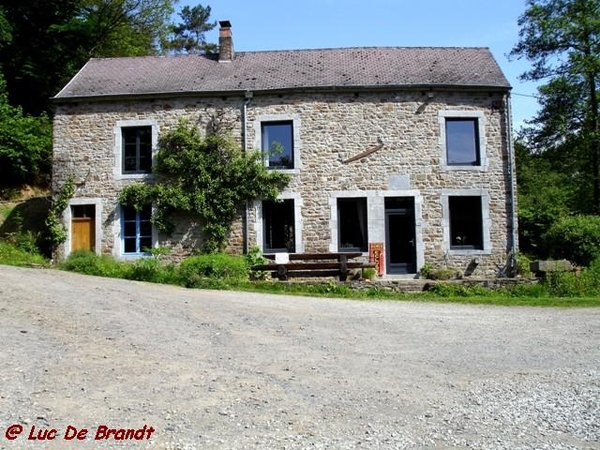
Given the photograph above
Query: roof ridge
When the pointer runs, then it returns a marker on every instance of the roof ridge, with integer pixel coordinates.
(375, 47)
(292, 50)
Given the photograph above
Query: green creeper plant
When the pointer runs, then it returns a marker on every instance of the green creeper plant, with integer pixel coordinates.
(204, 177)
(57, 233)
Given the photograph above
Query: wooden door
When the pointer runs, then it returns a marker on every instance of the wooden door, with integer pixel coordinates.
(83, 233)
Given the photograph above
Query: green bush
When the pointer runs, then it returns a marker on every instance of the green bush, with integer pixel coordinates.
(256, 258)
(369, 273)
(570, 284)
(218, 266)
(154, 271)
(27, 241)
(523, 263)
(575, 238)
(88, 263)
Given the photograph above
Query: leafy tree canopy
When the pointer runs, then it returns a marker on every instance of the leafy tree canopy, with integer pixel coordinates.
(189, 35)
(53, 39)
(561, 38)
(25, 145)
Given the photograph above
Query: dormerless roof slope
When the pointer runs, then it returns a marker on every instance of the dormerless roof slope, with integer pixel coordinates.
(346, 68)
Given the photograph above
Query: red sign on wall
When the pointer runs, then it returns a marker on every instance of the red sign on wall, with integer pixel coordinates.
(376, 256)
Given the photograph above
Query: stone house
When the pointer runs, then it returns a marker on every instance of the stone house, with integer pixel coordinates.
(402, 149)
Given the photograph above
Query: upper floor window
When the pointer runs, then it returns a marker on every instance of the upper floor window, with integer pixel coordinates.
(278, 144)
(136, 230)
(462, 142)
(136, 149)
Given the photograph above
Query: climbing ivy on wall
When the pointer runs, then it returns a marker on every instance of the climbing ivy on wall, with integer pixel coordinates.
(56, 231)
(205, 177)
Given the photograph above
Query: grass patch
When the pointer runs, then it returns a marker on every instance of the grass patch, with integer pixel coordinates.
(226, 272)
(14, 256)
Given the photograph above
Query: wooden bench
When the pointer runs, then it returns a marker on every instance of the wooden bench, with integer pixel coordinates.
(313, 265)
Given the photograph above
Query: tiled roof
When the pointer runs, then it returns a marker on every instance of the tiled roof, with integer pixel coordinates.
(292, 69)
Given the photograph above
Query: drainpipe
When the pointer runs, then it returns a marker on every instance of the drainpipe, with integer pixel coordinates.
(247, 100)
(512, 257)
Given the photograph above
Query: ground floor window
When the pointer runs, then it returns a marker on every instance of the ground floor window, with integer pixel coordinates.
(136, 230)
(466, 222)
(278, 226)
(352, 224)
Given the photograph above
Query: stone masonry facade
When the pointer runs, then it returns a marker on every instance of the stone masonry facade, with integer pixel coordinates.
(329, 128)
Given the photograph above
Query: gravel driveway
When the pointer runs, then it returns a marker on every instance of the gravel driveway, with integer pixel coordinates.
(228, 370)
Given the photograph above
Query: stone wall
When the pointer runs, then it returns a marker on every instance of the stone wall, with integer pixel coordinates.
(331, 127)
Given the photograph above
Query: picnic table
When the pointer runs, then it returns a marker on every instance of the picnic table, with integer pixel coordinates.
(306, 265)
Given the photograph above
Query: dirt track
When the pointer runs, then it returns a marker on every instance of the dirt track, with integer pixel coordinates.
(226, 370)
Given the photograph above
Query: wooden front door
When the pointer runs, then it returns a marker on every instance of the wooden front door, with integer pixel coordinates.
(83, 228)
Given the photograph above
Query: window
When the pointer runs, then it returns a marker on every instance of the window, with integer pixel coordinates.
(136, 149)
(352, 224)
(278, 226)
(278, 144)
(136, 229)
(462, 142)
(466, 222)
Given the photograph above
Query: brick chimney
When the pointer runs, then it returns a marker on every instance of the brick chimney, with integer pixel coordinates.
(225, 42)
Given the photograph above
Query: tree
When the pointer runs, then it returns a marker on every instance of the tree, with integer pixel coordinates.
(53, 39)
(25, 145)
(189, 36)
(562, 40)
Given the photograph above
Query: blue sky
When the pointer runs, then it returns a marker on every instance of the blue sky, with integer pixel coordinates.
(293, 24)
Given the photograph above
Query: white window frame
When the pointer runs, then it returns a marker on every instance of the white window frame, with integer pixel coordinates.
(479, 116)
(118, 250)
(298, 222)
(257, 126)
(118, 150)
(485, 219)
(81, 201)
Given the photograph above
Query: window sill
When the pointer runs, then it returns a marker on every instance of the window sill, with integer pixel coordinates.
(135, 255)
(467, 251)
(455, 168)
(288, 171)
(353, 250)
(133, 176)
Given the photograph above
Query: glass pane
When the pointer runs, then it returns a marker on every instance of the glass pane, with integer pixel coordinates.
(129, 244)
(145, 229)
(462, 142)
(129, 213)
(277, 141)
(466, 227)
(145, 243)
(352, 220)
(145, 143)
(278, 226)
(129, 164)
(129, 229)
(146, 212)
(145, 163)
